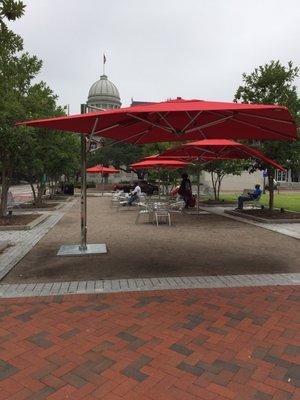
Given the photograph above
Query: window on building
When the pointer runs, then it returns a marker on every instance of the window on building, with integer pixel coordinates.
(282, 176)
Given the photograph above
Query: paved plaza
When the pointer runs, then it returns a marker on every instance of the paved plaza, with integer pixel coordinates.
(204, 245)
(139, 322)
(216, 344)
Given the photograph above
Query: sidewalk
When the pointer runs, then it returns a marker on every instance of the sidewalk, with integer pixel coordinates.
(220, 344)
(292, 229)
(23, 241)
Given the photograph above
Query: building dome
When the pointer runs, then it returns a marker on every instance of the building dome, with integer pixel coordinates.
(104, 94)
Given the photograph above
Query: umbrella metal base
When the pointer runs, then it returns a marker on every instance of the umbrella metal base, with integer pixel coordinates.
(74, 250)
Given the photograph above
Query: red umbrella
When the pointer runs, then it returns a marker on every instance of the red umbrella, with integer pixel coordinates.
(174, 120)
(100, 169)
(205, 150)
(180, 120)
(158, 164)
(153, 162)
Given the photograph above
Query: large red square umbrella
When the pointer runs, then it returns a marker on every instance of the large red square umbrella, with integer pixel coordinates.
(204, 151)
(180, 120)
(212, 149)
(174, 120)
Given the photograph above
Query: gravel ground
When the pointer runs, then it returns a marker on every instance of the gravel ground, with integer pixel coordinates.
(195, 245)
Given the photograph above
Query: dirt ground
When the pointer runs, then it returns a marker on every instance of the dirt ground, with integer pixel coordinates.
(195, 245)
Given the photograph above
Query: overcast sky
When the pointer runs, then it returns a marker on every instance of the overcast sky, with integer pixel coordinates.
(157, 49)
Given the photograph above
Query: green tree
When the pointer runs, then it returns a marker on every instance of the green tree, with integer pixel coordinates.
(45, 155)
(11, 10)
(220, 168)
(16, 72)
(274, 83)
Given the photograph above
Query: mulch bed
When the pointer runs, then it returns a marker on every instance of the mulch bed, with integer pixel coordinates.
(275, 214)
(216, 202)
(29, 206)
(18, 219)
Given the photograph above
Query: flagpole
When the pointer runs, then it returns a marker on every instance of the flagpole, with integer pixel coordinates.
(104, 61)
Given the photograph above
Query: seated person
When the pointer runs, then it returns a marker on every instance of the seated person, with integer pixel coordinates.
(174, 191)
(251, 196)
(135, 195)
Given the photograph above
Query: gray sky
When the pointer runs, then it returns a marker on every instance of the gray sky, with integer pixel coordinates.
(157, 49)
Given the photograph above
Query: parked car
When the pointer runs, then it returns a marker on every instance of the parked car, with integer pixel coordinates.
(146, 187)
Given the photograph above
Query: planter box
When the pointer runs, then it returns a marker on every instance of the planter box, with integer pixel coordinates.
(25, 227)
(264, 220)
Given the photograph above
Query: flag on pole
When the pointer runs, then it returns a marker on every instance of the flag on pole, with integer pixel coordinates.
(104, 59)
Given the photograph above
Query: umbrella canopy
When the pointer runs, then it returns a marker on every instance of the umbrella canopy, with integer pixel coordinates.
(180, 120)
(159, 164)
(208, 150)
(100, 169)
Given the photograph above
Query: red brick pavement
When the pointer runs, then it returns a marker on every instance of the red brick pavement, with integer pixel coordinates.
(182, 344)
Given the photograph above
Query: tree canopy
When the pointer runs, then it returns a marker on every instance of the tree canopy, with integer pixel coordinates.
(23, 150)
(274, 83)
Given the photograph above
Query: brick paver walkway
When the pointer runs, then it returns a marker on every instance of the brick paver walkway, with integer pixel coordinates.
(208, 344)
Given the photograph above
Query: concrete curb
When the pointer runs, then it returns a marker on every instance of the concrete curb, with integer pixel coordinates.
(26, 227)
(146, 284)
(263, 220)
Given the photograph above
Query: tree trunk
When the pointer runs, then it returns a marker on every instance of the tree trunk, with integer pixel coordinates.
(33, 192)
(219, 182)
(40, 192)
(6, 180)
(271, 188)
(213, 181)
(218, 188)
(4, 191)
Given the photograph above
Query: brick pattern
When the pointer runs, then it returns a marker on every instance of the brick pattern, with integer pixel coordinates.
(196, 344)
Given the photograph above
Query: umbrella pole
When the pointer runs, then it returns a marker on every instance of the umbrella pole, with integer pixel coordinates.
(83, 195)
(198, 187)
(84, 248)
(159, 183)
(102, 181)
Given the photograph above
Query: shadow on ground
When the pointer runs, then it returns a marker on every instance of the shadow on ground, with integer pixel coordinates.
(207, 244)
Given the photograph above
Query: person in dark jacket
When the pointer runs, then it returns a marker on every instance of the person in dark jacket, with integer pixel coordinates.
(185, 189)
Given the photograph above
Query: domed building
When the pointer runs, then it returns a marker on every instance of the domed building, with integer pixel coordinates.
(103, 94)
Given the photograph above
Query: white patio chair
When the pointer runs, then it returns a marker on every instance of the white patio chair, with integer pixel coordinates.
(116, 196)
(145, 209)
(161, 212)
(177, 207)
